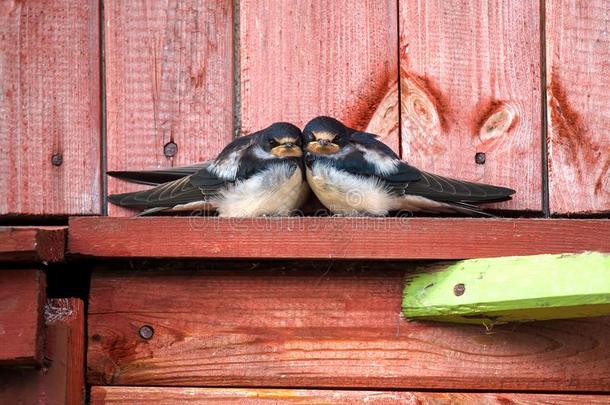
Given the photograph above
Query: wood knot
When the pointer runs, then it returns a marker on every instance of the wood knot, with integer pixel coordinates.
(418, 105)
(423, 109)
(498, 120)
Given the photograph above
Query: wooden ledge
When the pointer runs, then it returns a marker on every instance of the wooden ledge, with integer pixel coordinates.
(32, 244)
(332, 238)
(193, 395)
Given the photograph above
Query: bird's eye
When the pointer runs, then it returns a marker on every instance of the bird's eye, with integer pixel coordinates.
(336, 140)
(273, 143)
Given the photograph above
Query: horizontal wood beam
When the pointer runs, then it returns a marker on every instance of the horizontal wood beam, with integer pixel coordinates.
(32, 244)
(230, 396)
(22, 296)
(317, 325)
(332, 238)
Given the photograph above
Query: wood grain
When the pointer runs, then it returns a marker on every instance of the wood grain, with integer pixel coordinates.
(333, 238)
(229, 396)
(60, 380)
(300, 59)
(22, 296)
(470, 82)
(169, 75)
(319, 325)
(578, 80)
(65, 348)
(49, 106)
(32, 244)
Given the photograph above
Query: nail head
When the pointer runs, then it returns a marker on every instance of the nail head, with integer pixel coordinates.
(57, 159)
(479, 158)
(459, 289)
(170, 149)
(146, 332)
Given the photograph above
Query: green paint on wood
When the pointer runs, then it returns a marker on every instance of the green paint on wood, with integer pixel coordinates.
(507, 289)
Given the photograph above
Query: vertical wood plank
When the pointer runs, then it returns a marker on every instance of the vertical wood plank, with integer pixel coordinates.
(578, 98)
(300, 59)
(49, 106)
(169, 73)
(65, 349)
(470, 82)
(22, 295)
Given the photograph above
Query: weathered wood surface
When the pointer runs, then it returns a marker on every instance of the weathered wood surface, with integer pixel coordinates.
(300, 59)
(65, 348)
(49, 108)
(22, 296)
(60, 381)
(322, 325)
(510, 289)
(578, 96)
(33, 244)
(333, 238)
(470, 83)
(169, 75)
(229, 396)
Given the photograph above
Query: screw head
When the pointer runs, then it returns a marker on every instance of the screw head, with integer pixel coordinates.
(459, 289)
(57, 159)
(479, 158)
(170, 149)
(146, 332)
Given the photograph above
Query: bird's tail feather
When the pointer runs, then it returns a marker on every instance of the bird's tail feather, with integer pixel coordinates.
(151, 211)
(156, 176)
(469, 209)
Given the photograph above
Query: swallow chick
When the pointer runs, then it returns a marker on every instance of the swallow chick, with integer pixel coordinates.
(352, 173)
(256, 175)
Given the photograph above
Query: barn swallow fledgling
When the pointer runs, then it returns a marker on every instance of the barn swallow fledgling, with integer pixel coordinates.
(353, 173)
(256, 175)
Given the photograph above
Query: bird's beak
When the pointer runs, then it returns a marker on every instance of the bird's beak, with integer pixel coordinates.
(288, 149)
(323, 147)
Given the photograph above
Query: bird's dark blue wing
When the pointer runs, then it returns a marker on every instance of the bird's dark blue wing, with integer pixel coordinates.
(371, 142)
(375, 157)
(371, 162)
(199, 186)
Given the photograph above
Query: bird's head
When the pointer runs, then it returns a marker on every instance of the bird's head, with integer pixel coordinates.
(325, 136)
(282, 140)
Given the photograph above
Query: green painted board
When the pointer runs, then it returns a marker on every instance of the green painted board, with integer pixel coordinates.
(511, 289)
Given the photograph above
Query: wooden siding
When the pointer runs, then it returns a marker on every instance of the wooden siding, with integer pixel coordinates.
(169, 75)
(470, 83)
(318, 325)
(50, 133)
(578, 105)
(300, 59)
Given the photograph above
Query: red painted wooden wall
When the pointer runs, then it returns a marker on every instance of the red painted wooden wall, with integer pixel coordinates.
(50, 128)
(439, 80)
(94, 85)
(169, 81)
